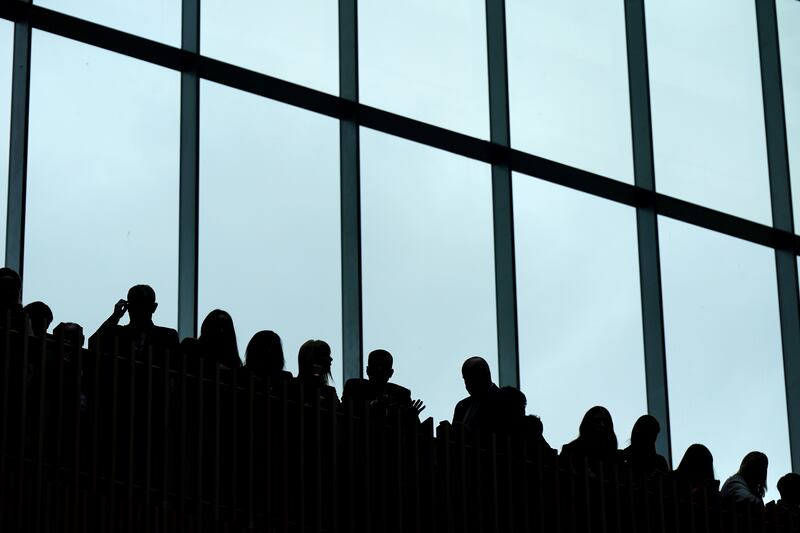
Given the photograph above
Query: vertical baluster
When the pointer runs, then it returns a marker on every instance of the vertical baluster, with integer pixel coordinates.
(368, 499)
(168, 455)
(350, 444)
(399, 469)
(333, 414)
(182, 445)
(40, 430)
(23, 431)
(268, 451)
(250, 449)
(285, 453)
(233, 415)
(317, 464)
(149, 428)
(492, 474)
(59, 403)
(4, 434)
(216, 437)
(78, 427)
(200, 429)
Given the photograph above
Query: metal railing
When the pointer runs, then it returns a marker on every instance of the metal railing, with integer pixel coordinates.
(159, 442)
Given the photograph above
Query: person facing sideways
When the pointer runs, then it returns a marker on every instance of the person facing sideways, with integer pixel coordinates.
(485, 409)
(217, 341)
(520, 425)
(264, 356)
(789, 488)
(11, 312)
(40, 317)
(696, 470)
(139, 334)
(377, 392)
(641, 454)
(314, 371)
(749, 484)
(596, 438)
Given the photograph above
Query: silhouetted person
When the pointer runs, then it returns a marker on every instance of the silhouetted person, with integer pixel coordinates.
(314, 370)
(70, 332)
(140, 334)
(641, 454)
(789, 488)
(11, 311)
(485, 408)
(696, 469)
(520, 425)
(40, 317)
(596, 438)
(264, 356)
(749, 484)
(217, 341)
(376, 391)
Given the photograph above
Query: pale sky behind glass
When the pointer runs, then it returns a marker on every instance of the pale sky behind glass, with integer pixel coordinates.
(708, 120)
(580, 320)
(724, 357)
(428, 265)
(6, 56)
(789, 39)
(568, 83)
(104, 148)
(270, 251)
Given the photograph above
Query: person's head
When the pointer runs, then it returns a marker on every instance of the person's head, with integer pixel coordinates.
(10, 288)
(516, 401)
(477, 376)
(597, 430)
(314, 362)
(645, 432)
(40, 317)
(697, 465)
(379, 366)
(264, 353)
(141, 304)
(218, 335)
(534, 426)
(754, 471)
(70, 333)
(789, 487)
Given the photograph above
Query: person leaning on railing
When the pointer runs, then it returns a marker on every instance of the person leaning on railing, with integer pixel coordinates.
(749, 484)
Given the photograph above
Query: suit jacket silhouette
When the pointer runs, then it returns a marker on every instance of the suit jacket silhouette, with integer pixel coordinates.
(363, 391)
(139, 341)
(487, 412)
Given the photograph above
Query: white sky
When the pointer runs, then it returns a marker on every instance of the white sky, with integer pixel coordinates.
(103, 187)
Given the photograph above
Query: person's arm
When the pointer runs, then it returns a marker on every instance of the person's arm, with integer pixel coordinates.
(111, 322)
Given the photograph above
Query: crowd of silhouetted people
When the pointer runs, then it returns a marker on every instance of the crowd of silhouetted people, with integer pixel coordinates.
(487, 409)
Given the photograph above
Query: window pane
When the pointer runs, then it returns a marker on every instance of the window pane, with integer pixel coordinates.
(269, 220)
(297, 41)
(159, 20)
(6, 59)
(724, 362)
(580, 319)
(428, 265)
(568, 83)
(789, 37)
(708, 118)
(102, 211)
(426, 60)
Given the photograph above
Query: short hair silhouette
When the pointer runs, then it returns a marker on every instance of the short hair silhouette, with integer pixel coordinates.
(10, 287)
(40, 317)
(379, 366)
(516, 400)
(218, 336)
(264, 354)
(754, 471)
(141, 304)
(314, 362)
(476, 374)
(789, 487)
(696, 466)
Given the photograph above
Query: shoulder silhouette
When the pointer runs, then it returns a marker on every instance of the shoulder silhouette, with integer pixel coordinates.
(696, 469)
(216, 343)
(376, 391)
(314, 370)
